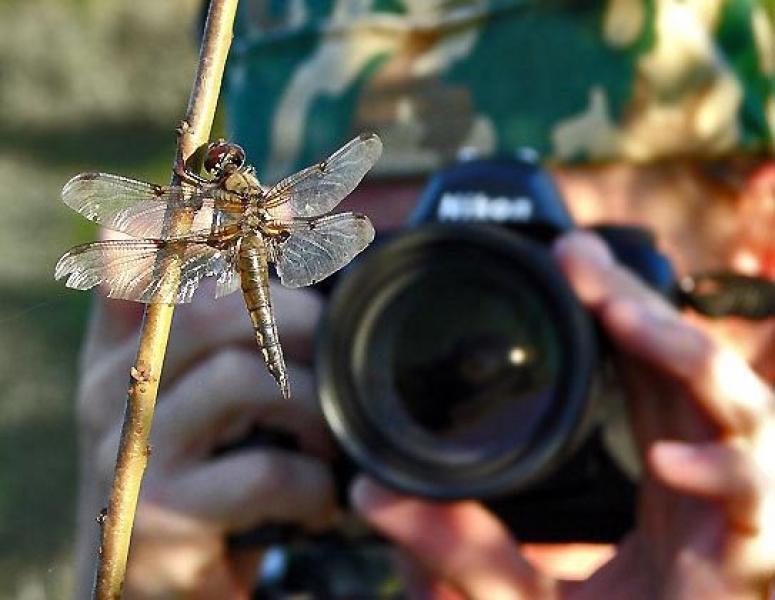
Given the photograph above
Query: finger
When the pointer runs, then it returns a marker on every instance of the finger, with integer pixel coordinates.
(221, 399)
(596, 276)
(182, 555)
(461, 543)
(643, 323)
(245, 564)
(111, 348)
(421, 583)
(253, 487)
(208, 324)
(219, 403)
(719, 472)
(724, 385)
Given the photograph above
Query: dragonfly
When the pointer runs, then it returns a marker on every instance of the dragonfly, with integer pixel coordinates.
(237, 228)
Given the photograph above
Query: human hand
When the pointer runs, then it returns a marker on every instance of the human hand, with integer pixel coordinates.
(705, 426)
(214, 389)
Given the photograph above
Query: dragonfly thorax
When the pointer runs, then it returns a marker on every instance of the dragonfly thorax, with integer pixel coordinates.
(243, 182)
(253, 218)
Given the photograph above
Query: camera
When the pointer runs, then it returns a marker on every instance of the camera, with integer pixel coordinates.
(455, 362)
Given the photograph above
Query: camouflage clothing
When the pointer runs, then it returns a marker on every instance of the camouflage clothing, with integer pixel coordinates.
(578, 81)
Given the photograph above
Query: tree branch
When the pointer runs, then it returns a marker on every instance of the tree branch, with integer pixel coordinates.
(117, 521)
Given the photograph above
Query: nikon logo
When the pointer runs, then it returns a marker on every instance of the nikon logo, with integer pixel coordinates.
(478, 206)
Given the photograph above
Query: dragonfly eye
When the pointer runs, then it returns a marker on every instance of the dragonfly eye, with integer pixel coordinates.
(222, 156)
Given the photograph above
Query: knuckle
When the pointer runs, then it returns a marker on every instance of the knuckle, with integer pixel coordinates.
(292, 484)
(229, 364)
(271, 477)
(294, 305)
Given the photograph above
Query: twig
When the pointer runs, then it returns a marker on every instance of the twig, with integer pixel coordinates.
(144, 381)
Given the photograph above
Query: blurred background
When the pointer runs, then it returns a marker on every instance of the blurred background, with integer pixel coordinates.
(84, 85)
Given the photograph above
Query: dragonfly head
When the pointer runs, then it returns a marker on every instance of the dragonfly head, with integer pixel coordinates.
(223, 158)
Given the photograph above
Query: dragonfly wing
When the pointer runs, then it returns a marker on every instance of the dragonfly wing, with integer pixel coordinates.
(228, 278)
(319, 247)
(128, 269)
(140, 209)
(316, 190)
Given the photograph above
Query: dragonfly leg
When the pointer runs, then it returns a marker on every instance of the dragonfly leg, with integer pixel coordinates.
(187, 175)
(179, 167)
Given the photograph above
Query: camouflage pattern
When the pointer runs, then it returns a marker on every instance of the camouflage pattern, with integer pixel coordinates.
(578, 81)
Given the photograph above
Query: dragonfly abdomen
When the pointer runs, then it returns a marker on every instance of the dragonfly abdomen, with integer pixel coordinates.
(254, 275)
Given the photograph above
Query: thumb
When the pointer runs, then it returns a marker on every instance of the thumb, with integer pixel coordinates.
(461, 543)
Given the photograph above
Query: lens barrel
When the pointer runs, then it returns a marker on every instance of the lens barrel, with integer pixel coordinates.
(455, 362)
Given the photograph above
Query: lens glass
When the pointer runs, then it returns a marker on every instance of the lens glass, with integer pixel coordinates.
(460, 360)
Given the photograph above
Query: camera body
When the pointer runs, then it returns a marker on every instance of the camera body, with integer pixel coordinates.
(454, 361)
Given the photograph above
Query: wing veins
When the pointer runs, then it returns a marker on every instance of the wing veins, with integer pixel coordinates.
(142, 209)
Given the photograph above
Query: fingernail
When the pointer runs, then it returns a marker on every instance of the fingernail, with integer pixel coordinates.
(675, 451)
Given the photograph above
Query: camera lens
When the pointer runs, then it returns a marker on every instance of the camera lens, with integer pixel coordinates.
(456, 362)
(460, 354)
